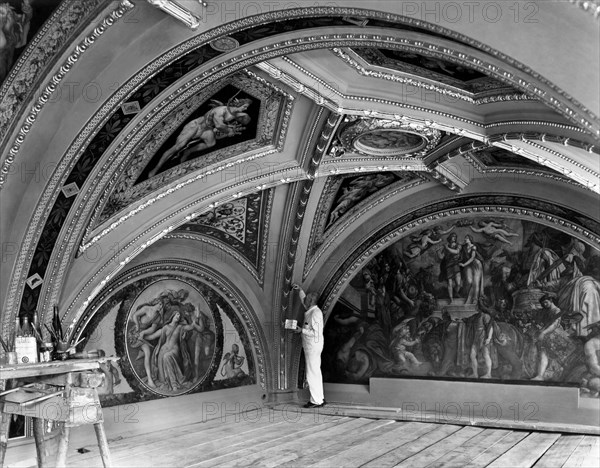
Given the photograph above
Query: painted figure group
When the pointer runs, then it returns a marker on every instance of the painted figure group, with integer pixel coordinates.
(494, 306)
(174, 339)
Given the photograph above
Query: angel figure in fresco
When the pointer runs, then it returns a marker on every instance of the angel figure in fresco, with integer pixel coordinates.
(14, 28)
(221, 121)
(425, 239)
(232, 363)
(402, 339)
(495, 230)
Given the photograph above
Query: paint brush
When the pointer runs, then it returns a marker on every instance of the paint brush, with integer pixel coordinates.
(51, 332)
(56, 324)
(37, 335)
(4, 345)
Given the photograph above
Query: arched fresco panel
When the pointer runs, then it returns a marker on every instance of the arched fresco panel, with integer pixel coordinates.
(175, 334)
(477, 297)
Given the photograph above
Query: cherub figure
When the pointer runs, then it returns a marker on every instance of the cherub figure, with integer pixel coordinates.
(402, 339)
(220, 122)
(424, 240)
(232, 363)
(495, 231)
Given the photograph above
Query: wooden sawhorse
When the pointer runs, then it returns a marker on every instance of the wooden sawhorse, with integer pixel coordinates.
(63, 391)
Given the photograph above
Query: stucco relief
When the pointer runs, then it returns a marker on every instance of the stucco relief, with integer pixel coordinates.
(435, 69)
(242, 224)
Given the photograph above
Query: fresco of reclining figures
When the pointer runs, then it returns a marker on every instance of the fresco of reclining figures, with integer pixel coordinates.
(474, 298)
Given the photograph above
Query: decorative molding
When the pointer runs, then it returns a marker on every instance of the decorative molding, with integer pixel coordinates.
(219, 245)
(352, 135)
(104, 178)
(178, 12)
(364, 249)
(498, 140)
(135, 246)
(395, 20)
(168, 191)
(53, 83)
(525, 172)
(160, 123)
(314, 148)
(482, 64)
(366, 107)
(354, 61)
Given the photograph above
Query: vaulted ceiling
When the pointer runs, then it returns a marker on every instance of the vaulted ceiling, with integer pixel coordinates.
(419, 103)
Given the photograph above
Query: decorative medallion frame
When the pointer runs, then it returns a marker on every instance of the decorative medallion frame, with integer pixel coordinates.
(245, 321)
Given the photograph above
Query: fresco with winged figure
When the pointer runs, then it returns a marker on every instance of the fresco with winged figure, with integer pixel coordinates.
(496, 298)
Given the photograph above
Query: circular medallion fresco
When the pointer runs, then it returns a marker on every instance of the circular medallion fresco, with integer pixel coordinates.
(385, 142)
(387, 138)
(225, 44)
(170, 337)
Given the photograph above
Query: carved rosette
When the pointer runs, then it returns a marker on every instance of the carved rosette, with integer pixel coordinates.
(389, 138)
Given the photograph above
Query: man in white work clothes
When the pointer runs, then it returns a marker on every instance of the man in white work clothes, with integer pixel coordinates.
(312, 343)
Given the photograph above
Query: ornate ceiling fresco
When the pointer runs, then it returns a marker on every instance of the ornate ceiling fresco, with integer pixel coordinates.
(312, 100)
(385, 138)
(242, 224)
(142, 176)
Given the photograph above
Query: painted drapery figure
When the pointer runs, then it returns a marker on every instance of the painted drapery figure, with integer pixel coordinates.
(174, 337)
(469, 306)
(221, 121)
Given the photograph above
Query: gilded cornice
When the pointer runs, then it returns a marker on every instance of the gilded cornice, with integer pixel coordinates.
(367, 104)
(502, 140)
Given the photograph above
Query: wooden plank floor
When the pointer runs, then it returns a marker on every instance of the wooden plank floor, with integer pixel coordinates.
(294, 437)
